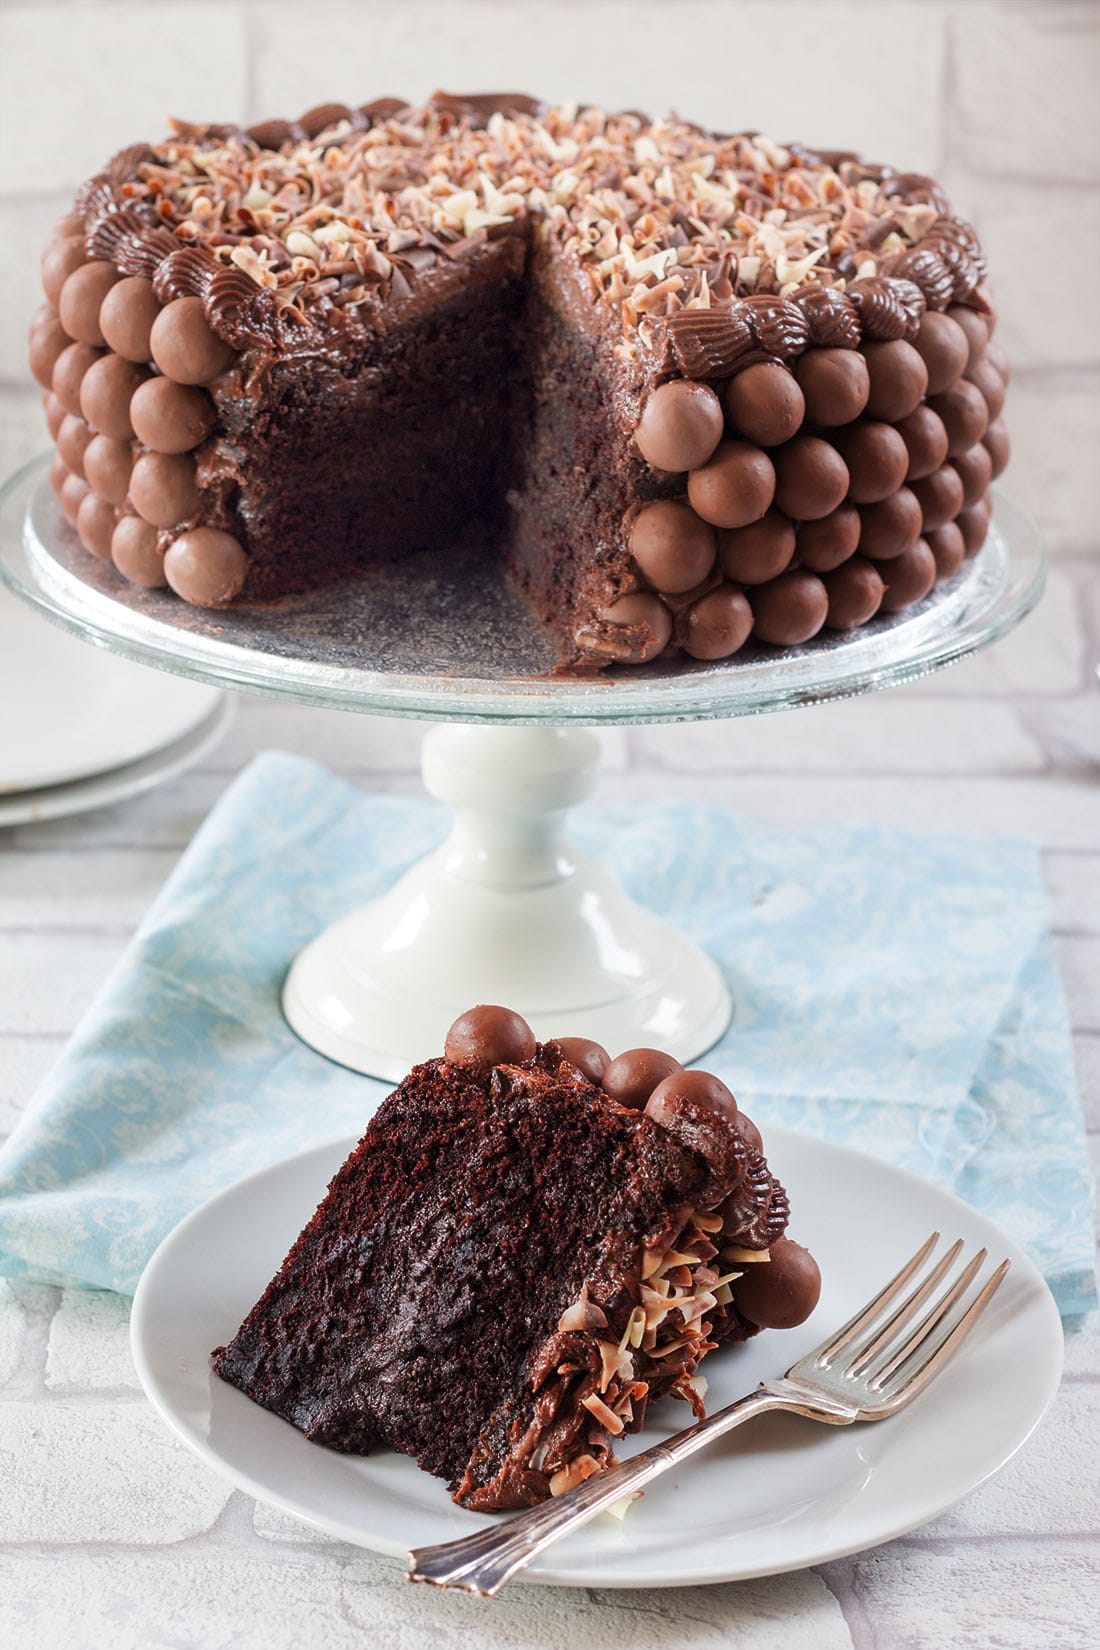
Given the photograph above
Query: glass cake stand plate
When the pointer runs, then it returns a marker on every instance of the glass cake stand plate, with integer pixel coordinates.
(507, 909)
(777, 1495)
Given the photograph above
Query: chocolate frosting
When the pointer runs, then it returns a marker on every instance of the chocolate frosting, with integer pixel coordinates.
(746, 309)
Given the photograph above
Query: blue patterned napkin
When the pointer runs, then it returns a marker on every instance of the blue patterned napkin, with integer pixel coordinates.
(893, 990)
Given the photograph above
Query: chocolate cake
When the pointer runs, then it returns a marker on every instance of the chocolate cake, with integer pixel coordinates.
(529, 1245)
(685, 387)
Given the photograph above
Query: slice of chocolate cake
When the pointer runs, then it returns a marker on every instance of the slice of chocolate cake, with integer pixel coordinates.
(529, 1245)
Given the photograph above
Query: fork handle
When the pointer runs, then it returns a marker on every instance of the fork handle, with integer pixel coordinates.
(482, 1563)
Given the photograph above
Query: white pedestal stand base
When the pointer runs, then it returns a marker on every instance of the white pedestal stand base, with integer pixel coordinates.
(506, 911)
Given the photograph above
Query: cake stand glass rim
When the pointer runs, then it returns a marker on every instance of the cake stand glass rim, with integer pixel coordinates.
(263, 652)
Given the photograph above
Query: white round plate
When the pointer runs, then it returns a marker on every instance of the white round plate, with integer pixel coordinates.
(102, 790)
(779, 1494)
(74, 710)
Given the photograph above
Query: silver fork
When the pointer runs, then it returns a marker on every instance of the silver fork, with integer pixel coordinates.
(864, 1372)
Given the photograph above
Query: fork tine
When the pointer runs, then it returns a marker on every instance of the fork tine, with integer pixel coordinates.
(865, 1355)
(935, 1358)
(934, 1316)
(866, 1314)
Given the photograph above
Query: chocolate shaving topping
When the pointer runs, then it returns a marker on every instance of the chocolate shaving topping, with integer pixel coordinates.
(831, 316)
(712, 250)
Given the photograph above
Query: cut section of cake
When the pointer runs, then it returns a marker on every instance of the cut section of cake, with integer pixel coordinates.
(683, 387)
(530, 1245)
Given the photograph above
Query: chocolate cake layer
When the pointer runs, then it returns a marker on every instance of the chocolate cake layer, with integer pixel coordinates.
(272, 357)
(513, 1263)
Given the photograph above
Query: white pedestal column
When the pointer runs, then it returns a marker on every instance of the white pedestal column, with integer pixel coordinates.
(506, 911)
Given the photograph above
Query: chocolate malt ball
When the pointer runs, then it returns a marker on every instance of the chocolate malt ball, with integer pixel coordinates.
(673, 547)
(54, 411)
(974, 525)
(48, 340)
(764, 404)
(107, 392)
(171, 418)
(975, 470)
(811, 478)
(127, 317)
(717, 625)
(925, 439)
(82, 298)
(61, 259)
(489, 1036)
(756, 553)
(163, 489)
(899, 379)
(206, 567)
(781, 1293)
(72, 494)
(107, 467)
(997, 356)
(965, 416)
(891, 526)
(698, 1088)
(942, 345)
(73, 440)
(976, 328)
(645, 624)
(948, 547)
(835, 384)
(680, 426)
(877, 459)
(631, 1077)
(908, 577)
(855, 594)
(940, 496)
(95, 525)
(185, 346)
(68, 374)
(824, 544)
(790, 609)
(735, 487)
(985, 377)
(996, 442)
(135, 554)
(591, 1059)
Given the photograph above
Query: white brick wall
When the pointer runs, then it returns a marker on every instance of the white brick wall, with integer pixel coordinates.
(109, 1530)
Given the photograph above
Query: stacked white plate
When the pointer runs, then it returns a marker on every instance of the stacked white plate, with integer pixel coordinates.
(81, 728)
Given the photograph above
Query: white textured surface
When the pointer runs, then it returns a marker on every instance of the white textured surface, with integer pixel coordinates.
(109, 1533)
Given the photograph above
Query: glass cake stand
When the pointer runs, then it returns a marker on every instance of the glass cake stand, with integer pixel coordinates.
(507, 910)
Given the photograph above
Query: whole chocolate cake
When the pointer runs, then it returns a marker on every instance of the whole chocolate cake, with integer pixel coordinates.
(529, 1245)
(685, 387)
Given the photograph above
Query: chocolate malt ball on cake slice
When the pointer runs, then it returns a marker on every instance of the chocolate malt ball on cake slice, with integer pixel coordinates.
(530, 1245)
